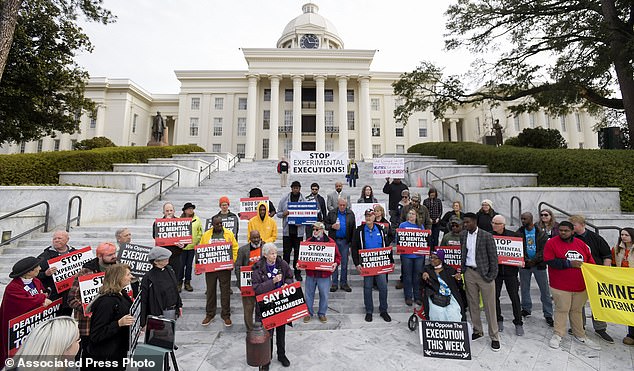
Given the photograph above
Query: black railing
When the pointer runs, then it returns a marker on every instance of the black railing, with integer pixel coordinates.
(160, 194)
(233, 161)
(78, 217)
(442, 188)
(596, 228)
(519, 212)
(45, 224)
(209, 170)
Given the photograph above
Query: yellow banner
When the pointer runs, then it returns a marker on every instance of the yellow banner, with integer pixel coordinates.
(611, 293)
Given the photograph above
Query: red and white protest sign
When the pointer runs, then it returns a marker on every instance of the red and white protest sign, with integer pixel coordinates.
(319, 256)
(249, 206)
(246, 289)
(453, 256)
(281, 306)
(412, 241)
(169, 232)
(213, 257)
(510, 250)
(20, 327)
(68, 266)
(89, 286)
(376, 261)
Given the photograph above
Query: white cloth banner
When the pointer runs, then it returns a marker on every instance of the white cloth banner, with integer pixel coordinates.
(388, 167)
(318, 163)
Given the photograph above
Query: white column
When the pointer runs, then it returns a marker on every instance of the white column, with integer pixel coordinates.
(454, 130)
(297, 112)
(320, 136)
(252, 97)
(365, 129)
(275, 118)
(343, 113)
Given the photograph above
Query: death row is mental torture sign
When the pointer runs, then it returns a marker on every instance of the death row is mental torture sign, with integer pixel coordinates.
(412, 241)
(135, 256)
(213, 257)
(169, 232)
(68, 266)
(318, 163)
(446, 340)
(376, 261)
(318, 256)
(249, 206)
(510, 250)
(20, 327)
(453, 256)
(281, 306)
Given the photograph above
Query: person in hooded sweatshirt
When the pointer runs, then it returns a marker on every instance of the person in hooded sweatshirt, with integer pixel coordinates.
(263, 223)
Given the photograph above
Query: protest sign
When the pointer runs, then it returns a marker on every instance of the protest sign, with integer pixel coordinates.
(318, 256)
(169, 232)
(412, 241)
(89, 286)
(376, 261)
(249, 207)
(136, 256)
(446, 340)
(135, 328)
(68, 266)
(453, 256)
(359, 211)
(216, 256)
(20, 327)
(246, 288)
(302, 213)
(510, 250)
(318, 163)
(230, 222)
(281, 306)
(610, 292)
(388, 167)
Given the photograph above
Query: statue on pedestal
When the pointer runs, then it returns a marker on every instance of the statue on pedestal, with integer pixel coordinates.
(497, 131)
(158, 127)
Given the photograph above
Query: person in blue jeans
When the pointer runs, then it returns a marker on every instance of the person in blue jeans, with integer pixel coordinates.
(341, 224)
(319, 279)
(412, 266)
(371, 236)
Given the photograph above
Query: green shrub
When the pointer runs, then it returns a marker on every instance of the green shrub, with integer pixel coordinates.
(555, 167)
(538, 138)
(42, 168)
(92, 143)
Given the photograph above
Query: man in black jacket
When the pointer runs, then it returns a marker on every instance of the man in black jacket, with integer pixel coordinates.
(59, 247)
(394, 190)
(340, 224)
(316, 197)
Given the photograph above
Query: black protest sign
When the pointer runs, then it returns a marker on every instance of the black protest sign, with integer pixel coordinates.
(136, 256)
(446, 340)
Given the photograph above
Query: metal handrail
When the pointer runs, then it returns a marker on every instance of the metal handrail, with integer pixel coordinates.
(209, 171)
(233, 160)
(78, 217)
(519, 214)
(595, 227)
(161, 191)
(442, 188)
(45, 224)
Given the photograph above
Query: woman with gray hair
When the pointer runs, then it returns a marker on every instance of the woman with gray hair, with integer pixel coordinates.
(271, 273)
(59, 336)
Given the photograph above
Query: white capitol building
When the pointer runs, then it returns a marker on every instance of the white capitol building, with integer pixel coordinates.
(308, 93)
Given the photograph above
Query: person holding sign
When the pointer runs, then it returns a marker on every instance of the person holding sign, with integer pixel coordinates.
(412, 266)
(177, 250)
(263, 223)
(219, 233)
(341, 224)
(248, 255)
(159, 292)
(23, 294)
(442, 295)
(59, 247)
(371, 236)
(229, 220)
(292, 234)
(187, 257)
(271, 273)
(106, 257)
(319, 279)
(623, 256)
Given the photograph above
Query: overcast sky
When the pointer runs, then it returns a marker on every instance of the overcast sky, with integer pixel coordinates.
(152, 38)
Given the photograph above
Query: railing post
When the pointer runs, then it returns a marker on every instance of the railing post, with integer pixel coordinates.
(161, 190)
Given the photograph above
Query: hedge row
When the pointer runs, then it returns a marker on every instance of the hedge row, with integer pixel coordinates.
(556, 167)
(42, 168)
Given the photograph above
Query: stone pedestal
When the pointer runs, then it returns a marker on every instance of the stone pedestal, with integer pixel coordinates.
(154, 143)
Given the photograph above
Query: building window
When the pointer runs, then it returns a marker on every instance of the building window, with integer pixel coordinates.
(562, 119)
(330, 145)
(93, 122)
(477, 121)
(288, 95)
(351, 121)
(422, 128)
(267, 95)
(329, 95)
(400, 148)
(350, 95)
(135, 118)
(351, 149)
(40, 144)
(516, 121)
(288, 144)
(193, 126)
(195, 104)
(242, 104)
(242, 126)
(399, 130)
(22, 147)
(266, 120)
(265, 149)
(73, 142)
(547, 120)
(329, 118)
(56, 144)
(376, 150)
(217, 126)
(531, 120)
(288, 118)
(241, 150)
(376, 127)
(375, 104)
(216, 147)
(578, 121)
(219, 103)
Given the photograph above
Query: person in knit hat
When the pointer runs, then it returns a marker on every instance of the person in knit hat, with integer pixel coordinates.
(229, 219)
(485, 216)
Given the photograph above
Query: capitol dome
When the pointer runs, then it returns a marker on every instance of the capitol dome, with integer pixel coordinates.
(310, 31)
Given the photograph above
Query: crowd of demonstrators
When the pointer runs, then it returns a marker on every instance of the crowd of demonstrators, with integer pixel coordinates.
(434, 205)
(59, 247)
(177, 249)
(367, 196)
(314, 196)
(159, 292)
(341, 224)
(248, 255)
(485, 216)
(395, 196)
(548, 223)
(456, 211)
(412, 266)
(187, 256)
(441, 290)
(263, 223)
(292, 234)
(623, 256)
(353, 173)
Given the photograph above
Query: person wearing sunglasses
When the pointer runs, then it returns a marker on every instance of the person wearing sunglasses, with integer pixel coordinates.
(547, 223)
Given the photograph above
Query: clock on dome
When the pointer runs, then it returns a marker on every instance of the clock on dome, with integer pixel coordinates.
(309, 41)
